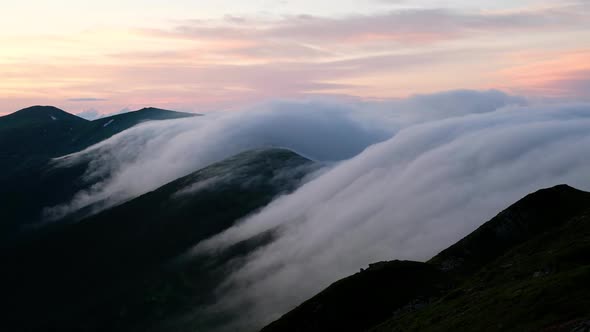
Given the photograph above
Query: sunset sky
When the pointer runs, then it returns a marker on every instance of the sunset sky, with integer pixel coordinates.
(206, 55)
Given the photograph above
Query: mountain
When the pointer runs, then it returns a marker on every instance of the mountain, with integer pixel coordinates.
(34, 134)
(133, 267)
(29, 138)
(527, 269)
(37, 133)
(120, 270)
(103, 128)
(37, 116)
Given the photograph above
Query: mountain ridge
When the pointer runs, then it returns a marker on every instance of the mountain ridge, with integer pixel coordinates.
(522, 270)
(42, 110)
(127, 254)
(40, 113)
(38, 133)
(30, 138)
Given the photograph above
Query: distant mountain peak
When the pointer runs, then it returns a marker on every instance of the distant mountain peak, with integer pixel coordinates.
(161, 110)
(148, 113)
(45, 112)
(41, 108)
(39, 114)
(35, 134)
(149, 108)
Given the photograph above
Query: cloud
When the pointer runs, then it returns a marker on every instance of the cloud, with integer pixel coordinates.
(86, 99)
(150, 155)
(90, 114)
(405, 26)
(93, 114)
(557, 74)
(405, 198)
(412, 176)
(237, 61)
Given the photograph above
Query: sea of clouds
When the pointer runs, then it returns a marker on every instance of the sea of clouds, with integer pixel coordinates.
(404, 179)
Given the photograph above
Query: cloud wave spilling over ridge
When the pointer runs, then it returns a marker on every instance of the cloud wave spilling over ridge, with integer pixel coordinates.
(406, 198)
(149, 155)
(413, 176)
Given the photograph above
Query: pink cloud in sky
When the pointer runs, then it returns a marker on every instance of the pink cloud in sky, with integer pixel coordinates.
(205, 65)
(552, 74)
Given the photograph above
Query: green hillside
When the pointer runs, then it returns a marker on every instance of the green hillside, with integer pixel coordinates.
(527, 269)
(117, 270)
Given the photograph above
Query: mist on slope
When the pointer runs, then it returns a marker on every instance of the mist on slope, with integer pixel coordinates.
(410, 177)
(406, 198)
(149, 155)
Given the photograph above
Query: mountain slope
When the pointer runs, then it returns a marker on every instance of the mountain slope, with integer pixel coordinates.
(524, 270)
(116, 271)
(34, 134)
(36, 116)
(103, 128)
(30, 137)
(42, 132)
(365, 298)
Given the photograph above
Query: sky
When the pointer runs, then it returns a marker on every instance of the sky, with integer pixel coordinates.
(204, 56)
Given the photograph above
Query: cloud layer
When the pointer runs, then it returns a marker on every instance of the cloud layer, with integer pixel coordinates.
(412, 177)
(405, 198)
(152, 154)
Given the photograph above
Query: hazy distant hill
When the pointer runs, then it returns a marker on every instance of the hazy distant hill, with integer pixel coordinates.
(527, 269)
(30, 137)
(114, 271)
(104, 128)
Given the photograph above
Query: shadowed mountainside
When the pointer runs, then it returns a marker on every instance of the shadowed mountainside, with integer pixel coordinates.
(524, 270)
(37, 133)
(29, 139)
(117, 270)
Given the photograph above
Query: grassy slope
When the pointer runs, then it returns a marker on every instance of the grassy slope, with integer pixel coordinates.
(540, 284)
(526, 269)
(30, 137)
(111, 271)
(365, 298)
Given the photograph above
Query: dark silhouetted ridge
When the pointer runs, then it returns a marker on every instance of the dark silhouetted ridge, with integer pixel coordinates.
(81, 276)
(38, 114)
(537, 212)
(365, 298)
(31, 137)
(103, 128)
(527, 269)
(146, 114)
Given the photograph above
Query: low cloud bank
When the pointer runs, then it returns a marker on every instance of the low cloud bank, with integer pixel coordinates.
(149, 155)
(405, 198)
(412, 177)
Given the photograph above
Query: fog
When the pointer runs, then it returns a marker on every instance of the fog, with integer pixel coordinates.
(406, 198)
(404, 179)
(150, 155)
